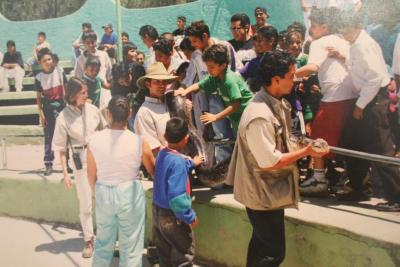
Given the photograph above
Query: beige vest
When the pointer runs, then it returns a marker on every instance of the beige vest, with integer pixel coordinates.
(268, 190)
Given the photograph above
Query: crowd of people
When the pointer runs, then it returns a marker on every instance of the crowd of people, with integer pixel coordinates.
(333, 78)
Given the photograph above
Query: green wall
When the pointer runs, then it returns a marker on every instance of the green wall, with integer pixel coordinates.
(63, 31)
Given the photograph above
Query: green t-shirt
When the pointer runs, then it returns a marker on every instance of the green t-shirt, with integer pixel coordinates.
(301, 60)
(94, 89)
(233, 88)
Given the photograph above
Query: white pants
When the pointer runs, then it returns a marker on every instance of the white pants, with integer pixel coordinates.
(17, 73)
(85, 202)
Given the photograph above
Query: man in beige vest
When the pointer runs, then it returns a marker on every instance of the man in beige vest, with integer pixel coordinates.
(263, 168)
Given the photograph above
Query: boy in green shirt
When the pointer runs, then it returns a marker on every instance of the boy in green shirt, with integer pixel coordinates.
(221, 80)
(93, 81)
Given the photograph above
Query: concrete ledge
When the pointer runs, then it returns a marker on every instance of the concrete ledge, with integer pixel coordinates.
(17, 95)
(19, 110)
(319, 234)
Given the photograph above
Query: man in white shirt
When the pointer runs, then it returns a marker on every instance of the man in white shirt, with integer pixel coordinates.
(149, 35)
(369, 128)
(337, 90)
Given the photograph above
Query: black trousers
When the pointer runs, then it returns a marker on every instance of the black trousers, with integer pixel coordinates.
(174, 239)
(267, 243)
(373, 134)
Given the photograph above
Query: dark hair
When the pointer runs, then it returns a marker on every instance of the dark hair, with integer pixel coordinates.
(42, 34)
(120, 71)
(186, 45)
(74, 86)
(167, 35)
(183, 18)
(164, 46)
(56, 59)
(119, 108)
(149, 31)
(298, 27)
(42, 52)
(269, 33)
(87, 25)
(326, 16)
(242, 17)
(137, 71)
(262, 9)
(182, 68)
(125, 34)
(289, 35)
(10, 43)
(90, 35)
(141, 53)
(128, 47)
(217, 53)
(92, 61)
(275, 63)
(176, 130)
(198, 29)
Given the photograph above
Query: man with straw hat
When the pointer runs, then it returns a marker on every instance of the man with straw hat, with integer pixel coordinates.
(152, 116)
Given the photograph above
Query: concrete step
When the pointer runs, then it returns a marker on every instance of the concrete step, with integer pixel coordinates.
(28, 81)
(322, 232)
(19, 110)
(65, 64)
(17, 95)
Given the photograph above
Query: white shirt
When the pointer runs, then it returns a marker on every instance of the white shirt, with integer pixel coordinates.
(105, 65)
(333, 75)
(118, 156)
(368, 68)
(197, 69)
(151, 121)
(150, 58)
(396, 57)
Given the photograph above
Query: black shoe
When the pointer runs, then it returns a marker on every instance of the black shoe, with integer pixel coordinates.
(69, 170)
(48, 171)
(351, 196)
(388, 206)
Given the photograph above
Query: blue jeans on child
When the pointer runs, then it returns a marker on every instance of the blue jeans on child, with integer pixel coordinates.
(120, 209)
(51, 109)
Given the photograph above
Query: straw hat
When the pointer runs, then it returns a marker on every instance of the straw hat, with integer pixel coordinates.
(155, 71)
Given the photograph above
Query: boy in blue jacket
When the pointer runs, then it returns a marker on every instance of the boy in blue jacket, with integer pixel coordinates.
(173, 216)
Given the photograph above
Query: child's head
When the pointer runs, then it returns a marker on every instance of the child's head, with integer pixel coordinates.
(240, 25)
(119, 109)
(148, 34)
(86, 27)
(217, 59)
(298, 27)
(56, 59)
(294, 42)
(124, 38)
(10, 46)
(198, 33)
(121, 74)
(176, 132)
(45, 58)
(261, 15)
(168, 36)
(89, 40)
(163, 51)
(180, 22)
(323, 22)
(92, 66)
(41, 37)
(266, 39)
(186, 47)
(277, 69)
(140, 58)
(129, 52)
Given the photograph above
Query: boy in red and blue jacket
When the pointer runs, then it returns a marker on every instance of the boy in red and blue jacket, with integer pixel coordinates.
(173, 216)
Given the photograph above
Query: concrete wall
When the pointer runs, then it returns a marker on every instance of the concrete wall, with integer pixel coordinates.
(223, 233)
(63, 31)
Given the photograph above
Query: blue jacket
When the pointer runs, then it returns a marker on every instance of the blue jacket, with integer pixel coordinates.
(171, 184)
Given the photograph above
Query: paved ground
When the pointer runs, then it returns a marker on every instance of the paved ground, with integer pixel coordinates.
(26, 243)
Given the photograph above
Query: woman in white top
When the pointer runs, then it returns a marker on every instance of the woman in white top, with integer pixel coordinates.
(74, 126)
(114, 158)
